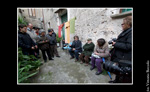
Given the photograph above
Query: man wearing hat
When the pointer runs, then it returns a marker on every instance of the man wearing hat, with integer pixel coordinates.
(43, 43)
(88, 49)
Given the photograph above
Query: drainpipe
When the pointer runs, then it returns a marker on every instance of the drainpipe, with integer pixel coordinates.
(43, 19)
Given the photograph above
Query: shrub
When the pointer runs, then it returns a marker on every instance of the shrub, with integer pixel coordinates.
(21, 20)
(27, 66)
(58, 39)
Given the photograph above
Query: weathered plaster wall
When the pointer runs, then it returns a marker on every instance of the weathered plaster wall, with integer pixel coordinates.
(92, 23)
(50, 16)
(34, 20)
(95, 23)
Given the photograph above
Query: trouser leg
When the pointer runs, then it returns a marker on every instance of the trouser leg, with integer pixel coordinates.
(86, 58)
(76, 54)
(48, 53)
(98, 64)
(93, 61)
(71, 52)
(82, 57)
(43, 54)
(52, 50)
(55, 50)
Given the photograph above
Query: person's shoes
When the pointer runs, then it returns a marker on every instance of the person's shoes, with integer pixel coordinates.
(51, 59)
(45, 61)
(72, 58)
(112, 81)
(57, 56)
(98, 73)
(76, 60)
(86, 64)
(81, 62)
(92, 68)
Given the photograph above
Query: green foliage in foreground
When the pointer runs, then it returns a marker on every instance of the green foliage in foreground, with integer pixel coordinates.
(27, 66)
(21, 20)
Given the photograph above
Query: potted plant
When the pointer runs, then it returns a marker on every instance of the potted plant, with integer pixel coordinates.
(58, 40)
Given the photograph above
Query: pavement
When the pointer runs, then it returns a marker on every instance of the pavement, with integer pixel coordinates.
(65, 71)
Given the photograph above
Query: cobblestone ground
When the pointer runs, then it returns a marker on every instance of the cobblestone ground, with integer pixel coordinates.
(63, 70)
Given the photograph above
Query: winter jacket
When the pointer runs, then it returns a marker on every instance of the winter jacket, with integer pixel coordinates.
(88, 49)
(77, 45)
(25, 41)
(43, 45)
(52, 39)
(103, 51)
(32, 34)
(123, 46)
(54, 34)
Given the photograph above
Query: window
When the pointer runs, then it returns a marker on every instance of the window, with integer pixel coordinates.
(125, 10)
(123, 13)
(31, 12)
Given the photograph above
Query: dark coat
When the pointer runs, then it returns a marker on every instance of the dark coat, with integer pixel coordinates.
(77, 45)
(52, 39)
(88, 49)
(123, 46)
(25, 41)
(54, 34)
(43, 45)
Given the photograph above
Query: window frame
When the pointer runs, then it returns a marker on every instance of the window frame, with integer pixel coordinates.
(32, 12)
(122, 14)
(125, 10)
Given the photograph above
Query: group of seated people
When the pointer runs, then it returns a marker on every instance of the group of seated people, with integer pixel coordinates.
(122, 50)
(84, 54)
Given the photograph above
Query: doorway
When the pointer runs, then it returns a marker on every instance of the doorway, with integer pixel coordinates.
(63, 20)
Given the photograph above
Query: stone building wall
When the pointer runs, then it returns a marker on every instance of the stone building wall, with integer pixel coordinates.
(91, 23)
(36, 21)
(95, 23)
(45, 14)
(50, 16)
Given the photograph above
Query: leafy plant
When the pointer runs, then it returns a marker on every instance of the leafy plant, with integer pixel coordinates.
(21, 20)
(27, 66)
(58, 39)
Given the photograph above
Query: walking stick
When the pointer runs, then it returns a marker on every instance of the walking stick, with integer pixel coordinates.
(107, 71)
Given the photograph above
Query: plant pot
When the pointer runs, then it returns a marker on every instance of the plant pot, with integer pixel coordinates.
(58, 44)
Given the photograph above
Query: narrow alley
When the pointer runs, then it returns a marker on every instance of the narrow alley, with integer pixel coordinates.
(63, 70)
(48, 27)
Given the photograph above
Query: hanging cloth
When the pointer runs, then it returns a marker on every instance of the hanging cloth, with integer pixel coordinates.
(67, 32)
(72, 25)
(60, 29)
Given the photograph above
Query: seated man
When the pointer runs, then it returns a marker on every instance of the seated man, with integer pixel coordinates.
(76, 47)
(88, 49)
